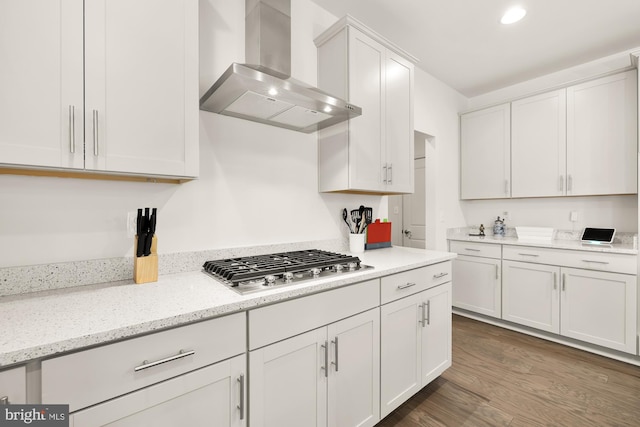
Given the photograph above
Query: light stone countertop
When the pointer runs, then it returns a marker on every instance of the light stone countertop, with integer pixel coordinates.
(619, 248)
(42, 324)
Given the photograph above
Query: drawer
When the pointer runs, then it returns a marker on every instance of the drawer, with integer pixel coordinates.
(13, 386)
(589, 260)
(91, 376)
(413, 281)
(487, 250)
(286, 319)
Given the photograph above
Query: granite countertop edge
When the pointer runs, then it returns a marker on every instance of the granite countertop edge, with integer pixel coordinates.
(43, 324)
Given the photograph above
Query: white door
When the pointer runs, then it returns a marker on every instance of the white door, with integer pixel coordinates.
(539, 145)
(599, 308)
(400, 352)
(141, 86)
(531, 295)
(366, 89)
(435, 332)
(602, 135)
(13, 385)
(41, 95)
(477, 285)
(289, 382)
(414, 210)
(207, 397)
(485, 159)
(354, 374)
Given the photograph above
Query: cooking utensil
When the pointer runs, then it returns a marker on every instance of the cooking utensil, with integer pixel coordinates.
(355, 217)
(344, 218)
(150, 231)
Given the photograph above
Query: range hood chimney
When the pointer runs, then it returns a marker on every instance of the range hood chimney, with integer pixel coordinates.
(262, 90)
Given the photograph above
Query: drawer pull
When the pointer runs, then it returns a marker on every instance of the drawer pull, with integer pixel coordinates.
(406, 285)
(428, 313)
(438, 276)
(4, 400)
(595, 262)
(180, 355)
(555, 281)
(325, 347)
(472, 249)
(523, 254)
(335, 347)
(423, 320)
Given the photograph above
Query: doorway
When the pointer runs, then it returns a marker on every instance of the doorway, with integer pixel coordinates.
(413, 215)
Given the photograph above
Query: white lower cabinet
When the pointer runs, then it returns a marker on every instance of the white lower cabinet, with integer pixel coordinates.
(600, 308)
(325, 377)
(416, 344)
(530, 295)
(13, 386)
(477, 285)
(209, 397)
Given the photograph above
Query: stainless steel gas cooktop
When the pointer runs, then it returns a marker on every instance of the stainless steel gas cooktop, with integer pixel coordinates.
(262, 272)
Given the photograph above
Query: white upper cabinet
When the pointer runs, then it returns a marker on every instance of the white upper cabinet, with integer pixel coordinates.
(602, 138)
(41, 83)
(125, 102)
(538, 145)
(485, 163)
(372, 152)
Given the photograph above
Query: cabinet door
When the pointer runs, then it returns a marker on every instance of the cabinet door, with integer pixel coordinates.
(41, 106)
(602, 136)
(399, 124)
(538, 145)
(485, 158)
(354, 374)
(141, 86)
(208, 397)
(599, 308)
(289, 382)
(13, 386)
(366, 89)
(400, 352)
(435, 331)
(530, 295)
(476, 285)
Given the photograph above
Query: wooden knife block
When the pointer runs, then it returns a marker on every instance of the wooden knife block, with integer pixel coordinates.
(145, 268)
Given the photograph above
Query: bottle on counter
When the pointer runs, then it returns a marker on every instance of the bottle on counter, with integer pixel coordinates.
(499, 227)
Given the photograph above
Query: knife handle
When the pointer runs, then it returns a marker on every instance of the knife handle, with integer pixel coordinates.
(142, 242)
(147, 244)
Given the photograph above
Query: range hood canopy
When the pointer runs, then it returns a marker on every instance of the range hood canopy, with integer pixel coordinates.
(263, 91)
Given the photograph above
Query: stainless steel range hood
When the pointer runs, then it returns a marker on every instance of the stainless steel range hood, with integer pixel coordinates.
(262, 90)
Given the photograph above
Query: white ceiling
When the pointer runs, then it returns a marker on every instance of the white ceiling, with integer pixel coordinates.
(463, 44)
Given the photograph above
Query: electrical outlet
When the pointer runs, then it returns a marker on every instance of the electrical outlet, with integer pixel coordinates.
(573, 216)
(132, 218)
(396, 210)
(505, 215)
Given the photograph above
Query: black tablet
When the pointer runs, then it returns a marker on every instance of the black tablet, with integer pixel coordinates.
(598, 235)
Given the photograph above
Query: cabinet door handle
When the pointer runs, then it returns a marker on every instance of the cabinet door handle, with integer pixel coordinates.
(241, 404)
(569, 183)
(95, 133)
(335, 349)
(181, 354)
(564, 282)
(523, 254)
(384, 173)
(561, 183)
(406, 285)
(497, 272)
(555, 281)
(423, 318)
(72, 129)
(428, 312)
(506, 186)
(438, 276)
(472, 250)
(595, 262)
(390, 172)
(4, 400)
(326, 358)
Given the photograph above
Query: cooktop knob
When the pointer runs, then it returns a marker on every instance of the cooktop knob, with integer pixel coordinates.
(269, 280)
(338, 268)
(352, 266)
(287, 277)
(315, 272)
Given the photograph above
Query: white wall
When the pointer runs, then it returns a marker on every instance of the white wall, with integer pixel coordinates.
(258, 184)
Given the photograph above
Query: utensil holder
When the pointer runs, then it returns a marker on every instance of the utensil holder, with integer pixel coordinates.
(356, 243)
(145, 268)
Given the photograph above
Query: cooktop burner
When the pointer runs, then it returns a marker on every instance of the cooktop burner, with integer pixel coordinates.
(260, 272)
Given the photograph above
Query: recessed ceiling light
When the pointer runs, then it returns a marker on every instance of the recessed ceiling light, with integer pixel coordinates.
(327, 109)
(273, 91)
(513, 15)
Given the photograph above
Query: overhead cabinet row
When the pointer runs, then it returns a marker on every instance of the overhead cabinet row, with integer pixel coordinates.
(576, 141)
(100, 86)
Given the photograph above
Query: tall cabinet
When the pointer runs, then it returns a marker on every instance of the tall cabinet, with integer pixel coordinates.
(105, 86)
(373, 152)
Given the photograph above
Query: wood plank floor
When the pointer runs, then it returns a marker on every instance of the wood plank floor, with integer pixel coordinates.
(504, 378)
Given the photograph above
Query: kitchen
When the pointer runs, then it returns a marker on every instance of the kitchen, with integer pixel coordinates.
(257, 185)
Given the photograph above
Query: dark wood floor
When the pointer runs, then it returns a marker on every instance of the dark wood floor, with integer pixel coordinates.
(504, 378)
